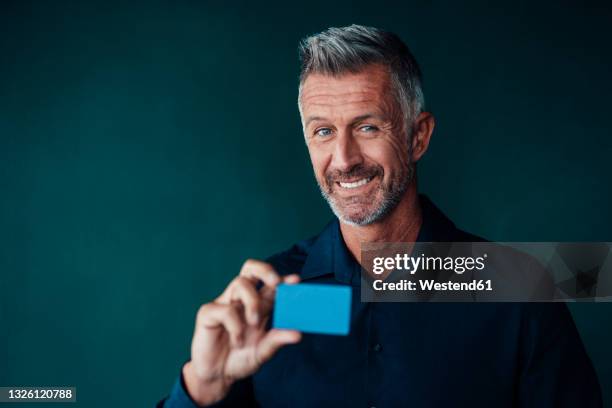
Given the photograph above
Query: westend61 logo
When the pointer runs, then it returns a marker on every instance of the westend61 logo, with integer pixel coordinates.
(486, 271)
(411, 264)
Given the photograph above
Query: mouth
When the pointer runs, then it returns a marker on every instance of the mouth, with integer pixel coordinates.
(355, 184)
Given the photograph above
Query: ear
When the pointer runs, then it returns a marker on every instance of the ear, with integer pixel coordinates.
(421, 134)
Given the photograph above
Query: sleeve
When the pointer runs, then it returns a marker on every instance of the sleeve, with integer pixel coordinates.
(555, 368)
(240, 395)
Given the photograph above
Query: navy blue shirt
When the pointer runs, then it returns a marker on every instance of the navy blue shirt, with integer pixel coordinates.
(418, 354)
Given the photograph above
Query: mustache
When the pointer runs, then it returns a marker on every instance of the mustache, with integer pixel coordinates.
(357, 171)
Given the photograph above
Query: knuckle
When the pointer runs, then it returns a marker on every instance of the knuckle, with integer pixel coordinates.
(266, 267)
(249, 263)
(256, 269)
(241, 282)
(232, 285)
(202, 310)
(241, 288)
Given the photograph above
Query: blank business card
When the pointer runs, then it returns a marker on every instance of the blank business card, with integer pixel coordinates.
(313, 308)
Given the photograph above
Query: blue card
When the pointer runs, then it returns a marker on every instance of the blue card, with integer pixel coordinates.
(313, 308)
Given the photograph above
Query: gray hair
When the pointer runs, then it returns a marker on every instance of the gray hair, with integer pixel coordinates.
(338, 51)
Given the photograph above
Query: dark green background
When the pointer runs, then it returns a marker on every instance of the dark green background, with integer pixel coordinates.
(146, 150)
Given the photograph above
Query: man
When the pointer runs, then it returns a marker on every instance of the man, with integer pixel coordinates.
(365, 126)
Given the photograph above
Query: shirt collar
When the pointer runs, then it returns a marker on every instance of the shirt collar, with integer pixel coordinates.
(325, 251)
(329, 255)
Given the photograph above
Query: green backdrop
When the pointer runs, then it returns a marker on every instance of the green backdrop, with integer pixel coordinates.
(146, 150)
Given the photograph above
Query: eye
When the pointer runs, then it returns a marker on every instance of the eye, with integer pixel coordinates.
(368, 128)
(323, 132)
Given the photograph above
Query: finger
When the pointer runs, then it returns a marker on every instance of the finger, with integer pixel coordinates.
(215, 316)
(244, 291)
(269, 293)
(291, 279)
(259, 270)
(274, 340)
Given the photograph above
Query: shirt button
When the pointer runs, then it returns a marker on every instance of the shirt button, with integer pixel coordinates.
(377, 348)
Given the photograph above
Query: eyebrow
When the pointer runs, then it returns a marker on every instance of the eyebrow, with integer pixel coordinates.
(355, 120)
(312, 119)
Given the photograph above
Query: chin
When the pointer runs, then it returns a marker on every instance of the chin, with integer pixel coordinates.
(356, 217)
(356, 210)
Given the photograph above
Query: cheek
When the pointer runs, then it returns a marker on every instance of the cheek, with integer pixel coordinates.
(388, 153)
(397, 153)
(319, 160)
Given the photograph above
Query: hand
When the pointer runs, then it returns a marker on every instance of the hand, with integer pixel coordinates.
(230, 340)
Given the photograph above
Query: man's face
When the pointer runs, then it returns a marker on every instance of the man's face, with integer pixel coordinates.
(358, 144)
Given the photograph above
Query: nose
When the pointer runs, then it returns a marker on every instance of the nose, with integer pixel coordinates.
(347, 152)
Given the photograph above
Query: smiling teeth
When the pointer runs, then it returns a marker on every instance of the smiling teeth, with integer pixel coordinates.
(356, 183)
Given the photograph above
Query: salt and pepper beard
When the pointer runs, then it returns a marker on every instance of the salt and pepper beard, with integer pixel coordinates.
(392, 193)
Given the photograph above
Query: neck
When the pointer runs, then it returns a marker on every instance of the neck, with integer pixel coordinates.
(401, 225)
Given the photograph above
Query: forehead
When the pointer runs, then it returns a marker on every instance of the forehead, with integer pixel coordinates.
(364, 88)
